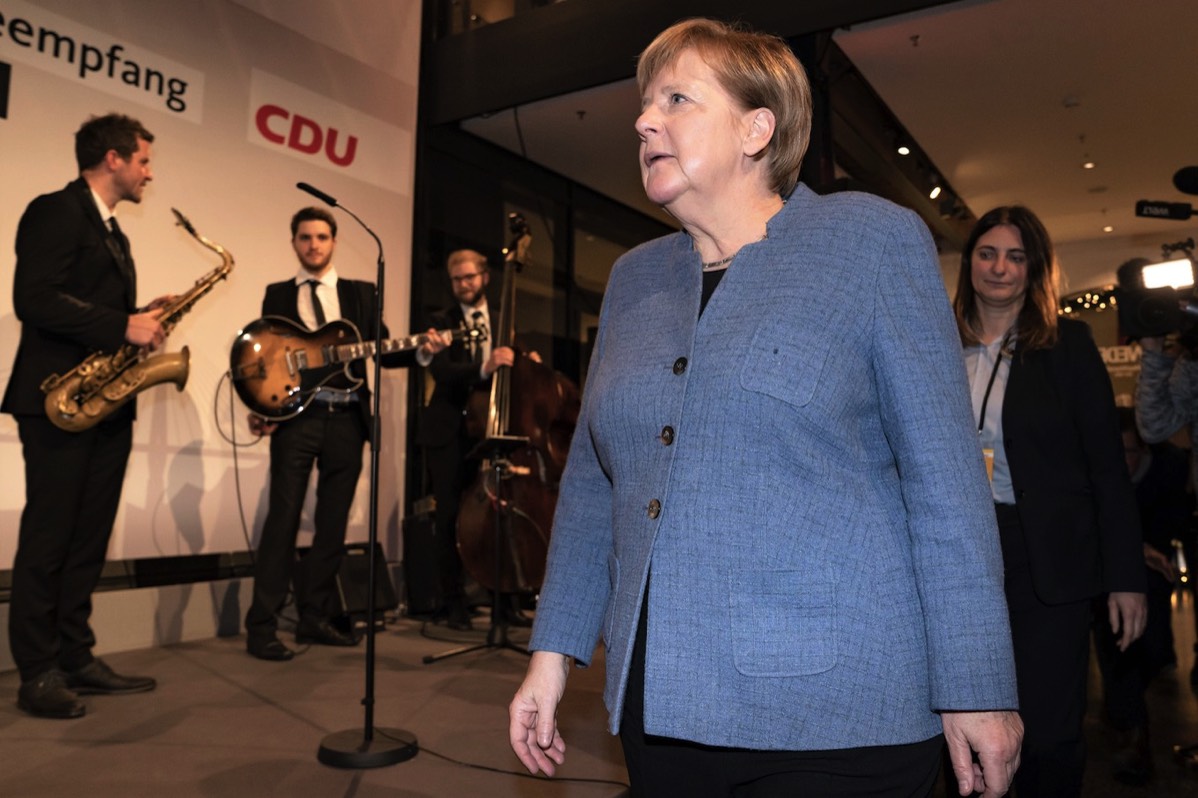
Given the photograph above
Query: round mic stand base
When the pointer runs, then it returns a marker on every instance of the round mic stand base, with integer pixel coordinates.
(350, 749)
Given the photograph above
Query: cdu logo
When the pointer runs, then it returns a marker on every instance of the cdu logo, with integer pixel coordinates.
(5, 79)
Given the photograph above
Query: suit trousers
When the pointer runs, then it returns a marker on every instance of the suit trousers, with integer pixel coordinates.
(448, 471)
(332, 440)
(1052, 650)
(72, 492)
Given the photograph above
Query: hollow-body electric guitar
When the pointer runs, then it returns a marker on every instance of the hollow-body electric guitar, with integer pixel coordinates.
(277, 366)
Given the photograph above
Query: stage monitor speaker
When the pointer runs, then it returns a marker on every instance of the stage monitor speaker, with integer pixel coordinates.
(353, 577)
(420, 569)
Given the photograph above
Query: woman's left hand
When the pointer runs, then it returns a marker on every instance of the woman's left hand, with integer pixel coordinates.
(1128, 616)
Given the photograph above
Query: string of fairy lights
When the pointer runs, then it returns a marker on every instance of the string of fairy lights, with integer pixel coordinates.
(1092, 299)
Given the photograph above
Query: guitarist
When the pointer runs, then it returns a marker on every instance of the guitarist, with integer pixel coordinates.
(330, 433)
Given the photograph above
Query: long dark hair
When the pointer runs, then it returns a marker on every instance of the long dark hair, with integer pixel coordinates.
(1037, 320)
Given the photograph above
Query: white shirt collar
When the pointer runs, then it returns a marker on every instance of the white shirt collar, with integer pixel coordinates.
(105, 212)
(468, 311)
(329, 278)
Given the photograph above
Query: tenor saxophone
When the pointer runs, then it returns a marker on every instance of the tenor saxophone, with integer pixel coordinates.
(103, 382)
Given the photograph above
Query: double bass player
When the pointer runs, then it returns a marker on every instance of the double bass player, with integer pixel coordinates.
(458, 371)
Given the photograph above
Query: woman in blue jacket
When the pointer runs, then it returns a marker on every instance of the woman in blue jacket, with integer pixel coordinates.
(774, 512)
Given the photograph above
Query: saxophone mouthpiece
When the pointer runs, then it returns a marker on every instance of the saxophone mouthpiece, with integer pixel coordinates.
(182, 220)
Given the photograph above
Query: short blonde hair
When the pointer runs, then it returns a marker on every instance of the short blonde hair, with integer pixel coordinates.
(467, 256)
(758, 70)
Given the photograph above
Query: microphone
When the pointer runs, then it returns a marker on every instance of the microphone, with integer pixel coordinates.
(1185, 180)
(325, 198)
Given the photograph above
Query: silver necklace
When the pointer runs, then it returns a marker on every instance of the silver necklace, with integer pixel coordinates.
(722, 263)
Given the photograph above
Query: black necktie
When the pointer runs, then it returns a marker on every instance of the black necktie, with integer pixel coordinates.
(124, 258)
(477, 345)
(121, 241)
(317, 308)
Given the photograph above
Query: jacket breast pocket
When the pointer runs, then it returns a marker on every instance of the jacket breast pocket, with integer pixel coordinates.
(783, 623)
(781, 364)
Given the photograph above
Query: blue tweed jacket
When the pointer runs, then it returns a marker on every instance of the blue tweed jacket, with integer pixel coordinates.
(800, 470)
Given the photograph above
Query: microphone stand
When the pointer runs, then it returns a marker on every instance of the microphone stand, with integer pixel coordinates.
(360, 748)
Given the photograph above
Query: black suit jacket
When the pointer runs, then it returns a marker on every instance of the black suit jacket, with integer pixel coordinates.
(357, 299)
(72, 290)
(1075, 500)
(456, 376)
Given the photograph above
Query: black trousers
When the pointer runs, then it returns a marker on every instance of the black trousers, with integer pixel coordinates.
(332, 441)
(1052, 650)
(1126, 674)
(448, 471)
(662, 767)
(72, 492)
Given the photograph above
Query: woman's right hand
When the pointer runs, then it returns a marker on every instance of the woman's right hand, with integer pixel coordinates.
(532, 715)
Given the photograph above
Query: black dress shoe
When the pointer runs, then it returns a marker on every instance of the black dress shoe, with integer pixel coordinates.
(1131, 763)
(268, 648)
(515, 618)
(96, 678)
(457, 617)
(322, 631)
(47, 696)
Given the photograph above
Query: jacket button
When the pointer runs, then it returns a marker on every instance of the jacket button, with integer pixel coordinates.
(654, 508)
(680, 365)
(667, 435)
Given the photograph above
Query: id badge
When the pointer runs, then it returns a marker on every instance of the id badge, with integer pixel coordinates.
(988, 455)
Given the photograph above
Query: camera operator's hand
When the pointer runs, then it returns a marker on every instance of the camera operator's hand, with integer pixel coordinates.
(1153, 343)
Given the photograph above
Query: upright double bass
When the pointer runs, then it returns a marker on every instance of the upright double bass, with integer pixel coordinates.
(524, 423)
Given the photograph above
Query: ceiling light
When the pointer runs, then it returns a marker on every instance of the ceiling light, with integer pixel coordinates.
(1108, 228)
(1088, 164)
(904, 149)
(935, 192)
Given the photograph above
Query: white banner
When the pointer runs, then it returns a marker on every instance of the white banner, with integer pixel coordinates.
(63, 47)
(292, 120)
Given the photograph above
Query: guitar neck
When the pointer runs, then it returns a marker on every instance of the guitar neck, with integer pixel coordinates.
(344, 353)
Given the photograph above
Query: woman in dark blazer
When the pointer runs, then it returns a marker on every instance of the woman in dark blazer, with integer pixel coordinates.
(1067, 515)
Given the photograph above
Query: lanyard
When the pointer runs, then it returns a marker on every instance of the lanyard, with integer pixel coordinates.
(990, 385)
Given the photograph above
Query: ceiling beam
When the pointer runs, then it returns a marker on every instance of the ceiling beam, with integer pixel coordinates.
(566, 47)
(865, 134)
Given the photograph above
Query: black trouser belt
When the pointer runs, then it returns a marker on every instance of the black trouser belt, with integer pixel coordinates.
(318, 406)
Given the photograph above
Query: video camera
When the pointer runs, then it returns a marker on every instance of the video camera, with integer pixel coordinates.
(1156, 299)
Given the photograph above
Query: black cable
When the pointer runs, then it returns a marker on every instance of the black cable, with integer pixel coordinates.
(517, 773)
(231, 438)
(245, 532)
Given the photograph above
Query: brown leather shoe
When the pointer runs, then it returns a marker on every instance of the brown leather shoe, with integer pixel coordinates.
(96, 678)
(47, 696)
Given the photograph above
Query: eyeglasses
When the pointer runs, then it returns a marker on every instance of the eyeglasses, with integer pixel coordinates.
(465, 278)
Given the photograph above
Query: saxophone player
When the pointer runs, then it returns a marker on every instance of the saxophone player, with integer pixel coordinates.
(74, 292)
